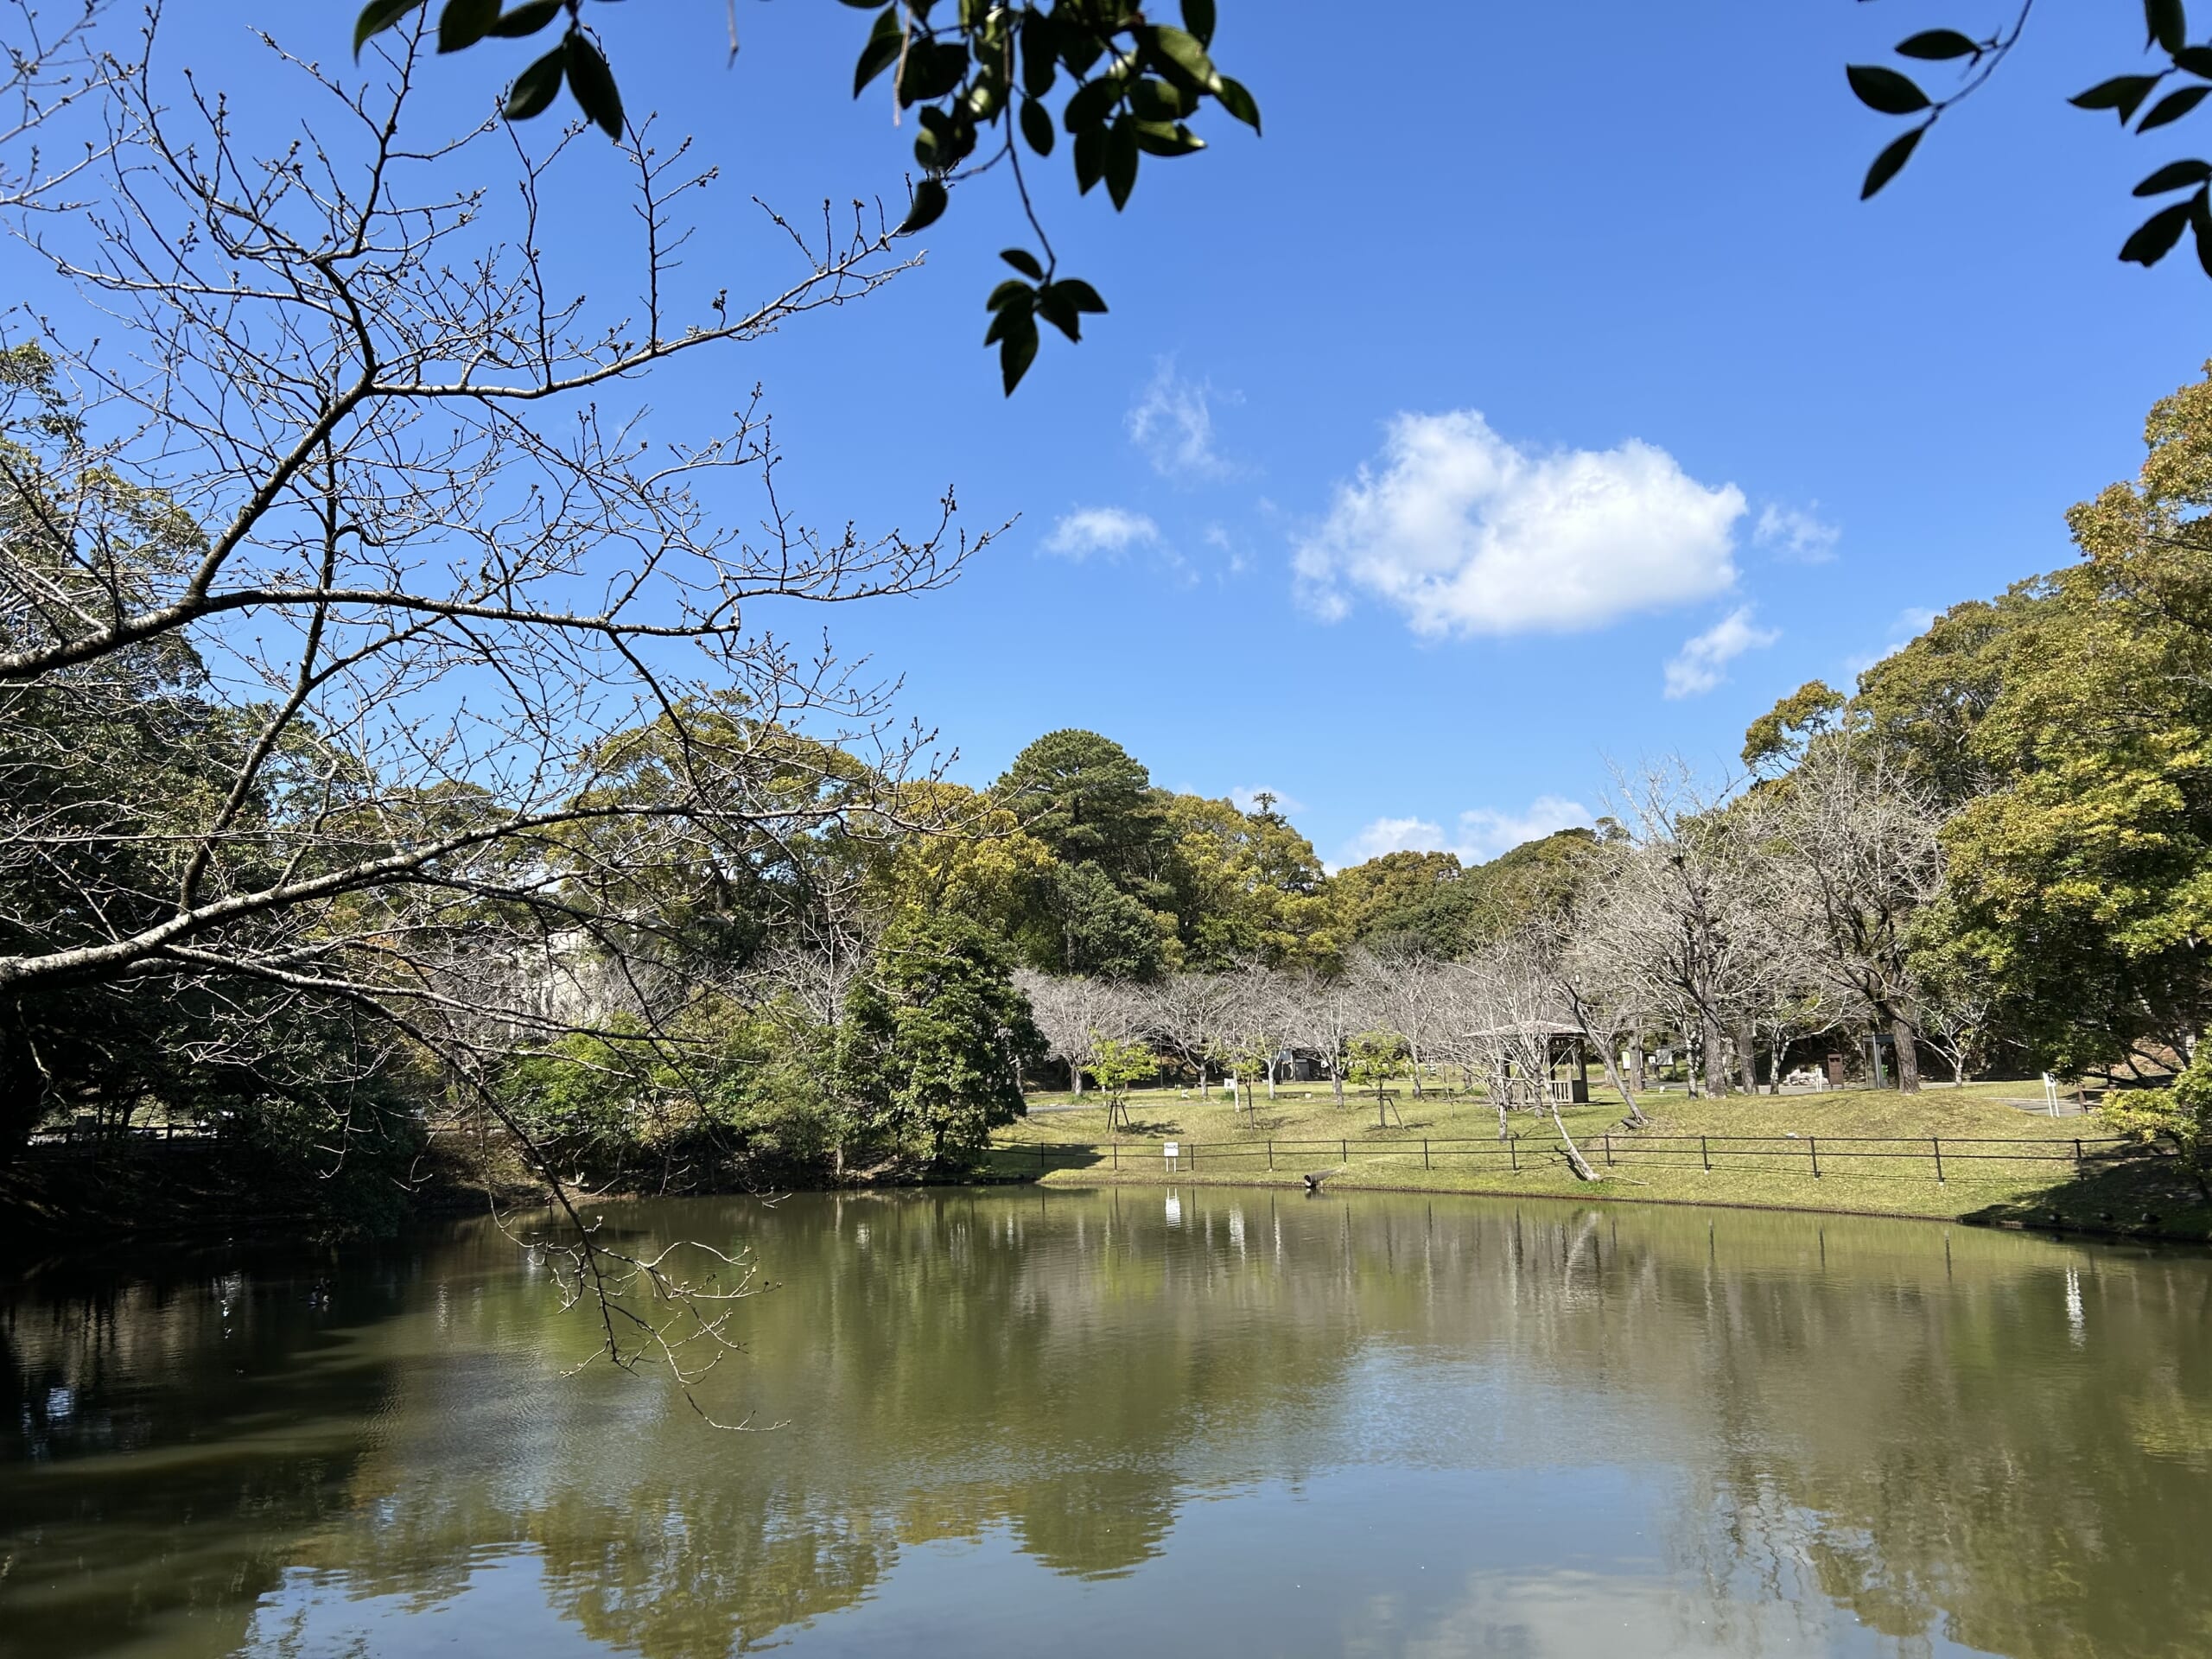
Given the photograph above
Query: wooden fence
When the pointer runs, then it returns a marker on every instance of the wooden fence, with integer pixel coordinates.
(1941, 1158)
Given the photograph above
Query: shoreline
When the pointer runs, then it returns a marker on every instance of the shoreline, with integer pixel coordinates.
(1606, 1192)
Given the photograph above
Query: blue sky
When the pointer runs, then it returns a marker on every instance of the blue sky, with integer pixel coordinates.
(1528, 399)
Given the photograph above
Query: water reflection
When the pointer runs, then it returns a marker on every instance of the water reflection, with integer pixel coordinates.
(1372, 1425)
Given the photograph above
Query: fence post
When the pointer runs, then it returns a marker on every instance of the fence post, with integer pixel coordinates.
(1194, 1155)
(1814, 1141)
(1513, 1149)
(1704, 1153)
(2077, 1157)
(1271, 1152)
(1424, 1152)
(1344, 1152)
(1936, 1141)
(1608, 1152)
(1117, 1155)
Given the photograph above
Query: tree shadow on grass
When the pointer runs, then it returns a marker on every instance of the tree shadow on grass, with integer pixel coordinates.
(2141, 1197)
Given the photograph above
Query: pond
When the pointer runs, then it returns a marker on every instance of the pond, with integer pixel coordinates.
(1136, 1421)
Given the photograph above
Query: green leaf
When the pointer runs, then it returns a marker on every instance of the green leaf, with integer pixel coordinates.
(526, 20)
(1081, 295)
(464, 22)
(1239, 103)
(1121, 161)
(1891, 161)
(379, 15)
(2165, 24)
(2121, 92)
(1016, 352)
(1159, 138)
(1023, 261)
(1197, 17)
(1037, 126)
(1159, 100)
(1884, 90)
(537, 87)
(2174, 175)
(1053, 307)
(933, 69)
(1179, 50)
(2197, 59)
(2199, 221)
(881, 50)
(928, 207)
(2173, 106)
(1015, 302)
(2155, 238)
(1039, 63)
(1090, 158)
(1937, 44)
(1088, 105)
(592, 83)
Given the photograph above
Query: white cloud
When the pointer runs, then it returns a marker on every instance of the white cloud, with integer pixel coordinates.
(1171, 421)
(1911, 622)
(1482, 833)
(1469, 535)
(1485, 832)
(1702, 662)
(1248, 800)
(1110, 530)
(1795, 533)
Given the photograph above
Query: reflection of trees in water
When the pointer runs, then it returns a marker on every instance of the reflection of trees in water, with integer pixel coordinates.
(213, 1411)
(1991, 1478)
(1866, 1415)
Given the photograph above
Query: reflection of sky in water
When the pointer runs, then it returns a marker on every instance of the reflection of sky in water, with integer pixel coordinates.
(1546, 1564)
(1156, 1421)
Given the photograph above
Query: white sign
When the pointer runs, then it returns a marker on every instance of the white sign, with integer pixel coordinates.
(1171, 1149)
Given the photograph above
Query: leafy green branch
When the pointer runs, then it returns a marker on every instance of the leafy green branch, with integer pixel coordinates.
(1891, 92)
(983, 77)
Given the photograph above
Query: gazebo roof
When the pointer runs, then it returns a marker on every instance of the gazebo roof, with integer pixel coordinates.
(1533, 1028)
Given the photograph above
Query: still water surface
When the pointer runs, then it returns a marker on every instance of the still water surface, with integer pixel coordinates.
(1134, 1423)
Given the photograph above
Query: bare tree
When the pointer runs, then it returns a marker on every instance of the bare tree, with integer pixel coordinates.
(1324, 1012)
(1410, 1002)
(51, 65)
(1076, 1013)
(1677, 911)
(1956, 1006)
(1256, 1019)
(1192, 1015)
(481, 651)
(1851, 845)
(1524, 1015)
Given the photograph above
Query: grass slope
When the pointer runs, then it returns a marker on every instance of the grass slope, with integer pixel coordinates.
(2000, 1164)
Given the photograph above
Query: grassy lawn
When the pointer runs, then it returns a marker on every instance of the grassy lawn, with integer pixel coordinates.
(1761, 1150)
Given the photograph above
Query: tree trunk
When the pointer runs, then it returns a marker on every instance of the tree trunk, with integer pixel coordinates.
(22, 1091)
(1337, 1078)
(1582, 1170)
(1636, 1062)
(1716, 1063)
(1621, 1088)
(1747, 1055)
(1075, 1078)
(1414, 1055)
(1903, 1035)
